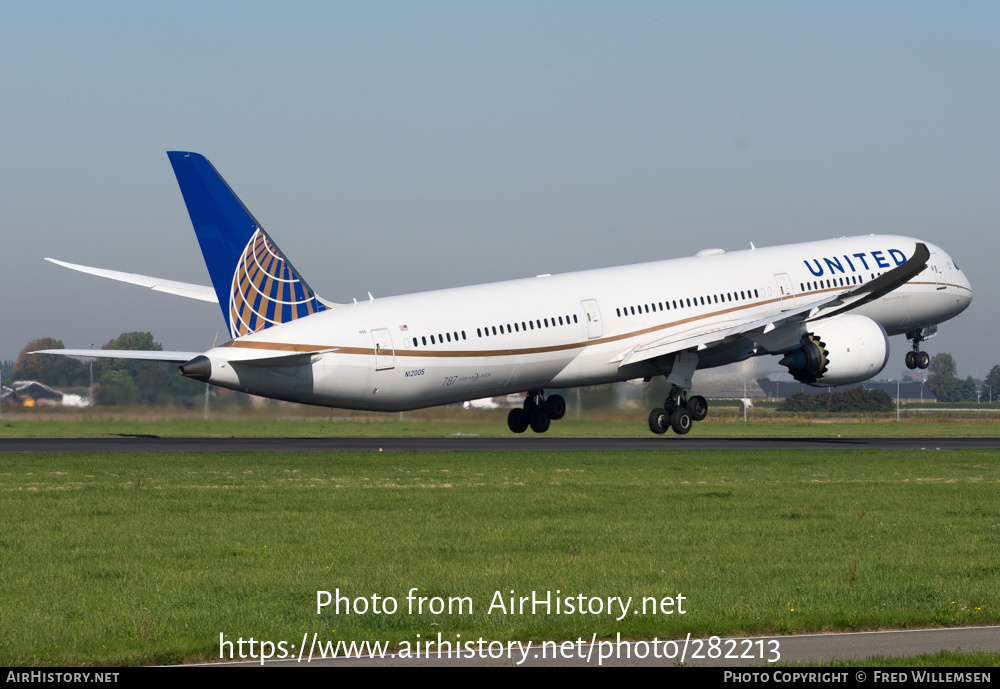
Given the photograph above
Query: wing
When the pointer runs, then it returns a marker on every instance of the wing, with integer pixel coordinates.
(722, 333)
(182, 289)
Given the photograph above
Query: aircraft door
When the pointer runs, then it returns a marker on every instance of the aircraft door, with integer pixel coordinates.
(385, 356)
(785, 290)
(593, 314)
(934, 263)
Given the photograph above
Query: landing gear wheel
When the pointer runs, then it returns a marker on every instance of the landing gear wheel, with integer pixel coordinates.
(659, 421)
(529, 402)
(911, 360)
(680, 421)
(697, 407)
(923, 359)
(517, 420)
(555, 407)
(538, 420)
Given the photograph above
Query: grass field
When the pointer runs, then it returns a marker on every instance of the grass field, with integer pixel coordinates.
(298, 421)
(141, 558)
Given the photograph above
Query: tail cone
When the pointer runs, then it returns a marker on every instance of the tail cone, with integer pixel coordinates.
(199, 368)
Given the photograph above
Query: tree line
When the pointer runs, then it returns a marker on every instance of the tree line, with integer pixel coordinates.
(126, 381)
(944, 382)
(116, 381)
(852, 400)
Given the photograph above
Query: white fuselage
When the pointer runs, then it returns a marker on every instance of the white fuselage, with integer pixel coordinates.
(560, 331)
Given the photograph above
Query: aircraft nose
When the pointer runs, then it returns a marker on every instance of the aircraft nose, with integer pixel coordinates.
(964, 290)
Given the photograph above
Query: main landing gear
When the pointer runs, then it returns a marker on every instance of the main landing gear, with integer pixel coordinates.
(679, 412)
(916, 358)
(538, 412)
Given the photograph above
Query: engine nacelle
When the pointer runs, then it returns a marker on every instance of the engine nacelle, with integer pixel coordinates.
(839, 351)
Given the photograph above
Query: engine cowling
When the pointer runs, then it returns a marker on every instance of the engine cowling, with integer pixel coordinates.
(839, 351)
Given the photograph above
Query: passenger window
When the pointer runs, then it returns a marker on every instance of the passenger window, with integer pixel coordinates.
(432, 339)
(501, 329)
(479, 332)
(463, 334)
(494, 330)
(449, 336)
(560, 320)
(424, 339)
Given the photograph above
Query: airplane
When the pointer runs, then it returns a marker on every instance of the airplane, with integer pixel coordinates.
(827, 308)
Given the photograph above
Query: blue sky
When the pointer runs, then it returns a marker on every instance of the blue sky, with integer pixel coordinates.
(398, 147)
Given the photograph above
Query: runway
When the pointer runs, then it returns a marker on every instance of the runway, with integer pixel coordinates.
(777, 649)
(530, 443)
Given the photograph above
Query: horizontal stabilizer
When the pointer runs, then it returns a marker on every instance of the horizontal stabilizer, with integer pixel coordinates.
(181, 289)
(140, 355)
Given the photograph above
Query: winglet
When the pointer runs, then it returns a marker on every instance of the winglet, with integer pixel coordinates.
(880, 286)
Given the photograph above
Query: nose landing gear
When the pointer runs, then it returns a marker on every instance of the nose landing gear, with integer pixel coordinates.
(917, 358)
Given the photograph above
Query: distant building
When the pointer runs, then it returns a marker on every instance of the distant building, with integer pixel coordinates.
(728, 388)
(28, 393)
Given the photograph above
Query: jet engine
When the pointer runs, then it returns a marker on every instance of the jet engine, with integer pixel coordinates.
(839, 351)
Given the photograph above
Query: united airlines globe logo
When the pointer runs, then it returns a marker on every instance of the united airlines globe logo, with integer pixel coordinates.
(266, 290)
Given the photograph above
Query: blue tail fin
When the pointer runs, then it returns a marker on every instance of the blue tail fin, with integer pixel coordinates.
(256, 284)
